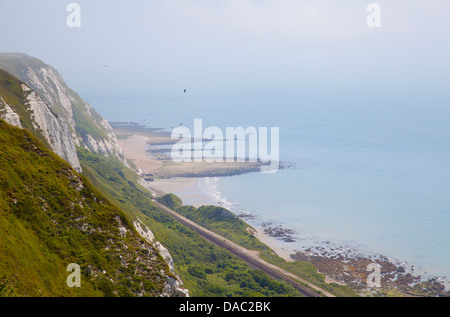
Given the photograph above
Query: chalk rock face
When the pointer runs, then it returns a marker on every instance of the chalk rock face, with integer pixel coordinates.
(174, 284)
(40, 119)
(54, 130)
(8, 114)
(88, 128)
(79, 120)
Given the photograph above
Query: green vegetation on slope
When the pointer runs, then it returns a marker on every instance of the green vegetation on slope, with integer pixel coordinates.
(117, 182)
(170, 200)
(50, 216)
(225, 223)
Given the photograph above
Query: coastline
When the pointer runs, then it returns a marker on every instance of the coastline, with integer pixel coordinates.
(339, 264)
(193, 193)
(140, 147)
(149, 150)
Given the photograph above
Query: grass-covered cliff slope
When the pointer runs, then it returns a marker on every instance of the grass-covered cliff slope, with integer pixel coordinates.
(51, 216)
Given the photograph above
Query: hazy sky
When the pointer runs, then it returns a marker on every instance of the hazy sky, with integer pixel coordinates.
(233, 44)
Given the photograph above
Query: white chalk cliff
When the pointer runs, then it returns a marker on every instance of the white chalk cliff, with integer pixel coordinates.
(71, 121)
(8, 114)
(44, 122)
(174, 284)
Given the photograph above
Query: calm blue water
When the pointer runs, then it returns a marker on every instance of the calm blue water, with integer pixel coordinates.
(372, 171)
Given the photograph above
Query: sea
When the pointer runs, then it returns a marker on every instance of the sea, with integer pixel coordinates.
(367, 169)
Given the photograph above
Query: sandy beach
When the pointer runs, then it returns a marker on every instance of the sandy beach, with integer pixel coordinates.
(135, 148)
(145, 149)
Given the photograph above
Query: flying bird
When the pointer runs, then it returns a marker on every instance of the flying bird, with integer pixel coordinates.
(185, 90)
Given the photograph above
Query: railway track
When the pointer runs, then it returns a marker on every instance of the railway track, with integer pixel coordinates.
(246, 255)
